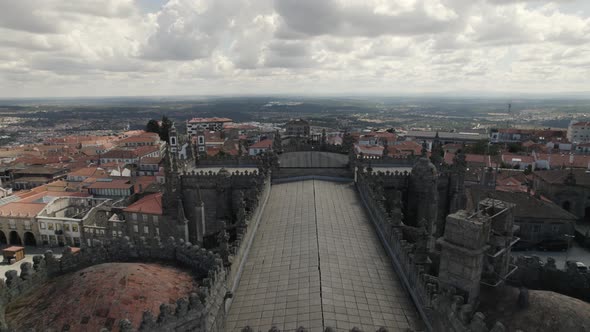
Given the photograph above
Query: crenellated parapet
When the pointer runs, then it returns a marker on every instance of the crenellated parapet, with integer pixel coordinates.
(442, 308)
(206, 179)
(201, 311)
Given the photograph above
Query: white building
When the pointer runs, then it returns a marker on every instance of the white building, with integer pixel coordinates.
(579, 132)
(212, 124)
(60, 222)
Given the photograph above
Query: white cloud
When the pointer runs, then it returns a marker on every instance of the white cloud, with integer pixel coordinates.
(58, 47)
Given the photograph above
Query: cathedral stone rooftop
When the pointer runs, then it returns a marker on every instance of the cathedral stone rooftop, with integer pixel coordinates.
(99, 297)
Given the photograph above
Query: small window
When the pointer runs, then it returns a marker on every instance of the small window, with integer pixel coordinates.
(74, 228)
(144, 217)
(134, 216)
(50, 226)
(135, 228)
(114, 233)
(155, 218)
(146, 229)
(42, 225)
(157, 231)
(67, 227)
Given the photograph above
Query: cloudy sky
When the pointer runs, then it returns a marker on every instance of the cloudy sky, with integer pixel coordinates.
(195, 47)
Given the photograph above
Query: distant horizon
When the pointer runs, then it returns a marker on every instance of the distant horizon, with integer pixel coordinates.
(515, 96)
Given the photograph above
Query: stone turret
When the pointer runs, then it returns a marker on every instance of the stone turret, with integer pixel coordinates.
(436, 152)
(463, 247)
(423, 196)
(457, 183)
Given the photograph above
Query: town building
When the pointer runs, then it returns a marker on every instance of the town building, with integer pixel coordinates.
(377, 138)
(82, 174)
(145, 139)
(130, 157)
(144, 219)
(150, 165)
(579, 132)
(60, 222)
(538, 220)
(18, 224)
(297, 128)
(34, 176)
(444, 137)
(212, 124)
(260, 147)
(568, 188)
(109, 187)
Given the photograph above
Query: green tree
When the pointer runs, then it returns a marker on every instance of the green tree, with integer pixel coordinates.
(165, 129)
(515, 147)
(152, 126)
(482, 147)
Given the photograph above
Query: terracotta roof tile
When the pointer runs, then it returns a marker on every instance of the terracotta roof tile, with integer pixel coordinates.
(150, 204)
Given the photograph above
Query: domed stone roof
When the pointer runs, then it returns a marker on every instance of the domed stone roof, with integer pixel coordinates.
(547, 311)
(99, 297)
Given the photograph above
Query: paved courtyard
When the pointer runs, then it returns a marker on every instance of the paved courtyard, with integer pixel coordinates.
(316, 261)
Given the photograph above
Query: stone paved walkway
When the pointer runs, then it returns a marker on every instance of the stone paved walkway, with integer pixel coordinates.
(316, 261)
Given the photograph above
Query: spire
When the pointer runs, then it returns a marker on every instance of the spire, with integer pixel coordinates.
(424, 149)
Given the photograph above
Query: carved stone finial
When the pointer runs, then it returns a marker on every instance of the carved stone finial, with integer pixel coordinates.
(523, 298)
(125, 325)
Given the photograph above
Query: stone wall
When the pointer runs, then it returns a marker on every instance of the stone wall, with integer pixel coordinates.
(229, 161)
(241, 247)
(200, 311)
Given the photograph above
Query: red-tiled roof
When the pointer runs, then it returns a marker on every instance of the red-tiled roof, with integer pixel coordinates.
(558, 160)
(517, 158)
(267, 143)
(150, 160)
(20, 209)
(150, 204)
(89, 171)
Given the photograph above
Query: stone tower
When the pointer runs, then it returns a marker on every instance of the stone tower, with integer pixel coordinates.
(463, 247)
(436, 152)
(423, 196)
(457, 183)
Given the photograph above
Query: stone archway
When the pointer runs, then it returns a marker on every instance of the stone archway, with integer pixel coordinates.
(30, 239)
(3, 239)
(566, 206)
(15, 238)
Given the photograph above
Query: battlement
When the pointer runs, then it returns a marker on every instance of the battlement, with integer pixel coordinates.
(442, 308)
(200, 310)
